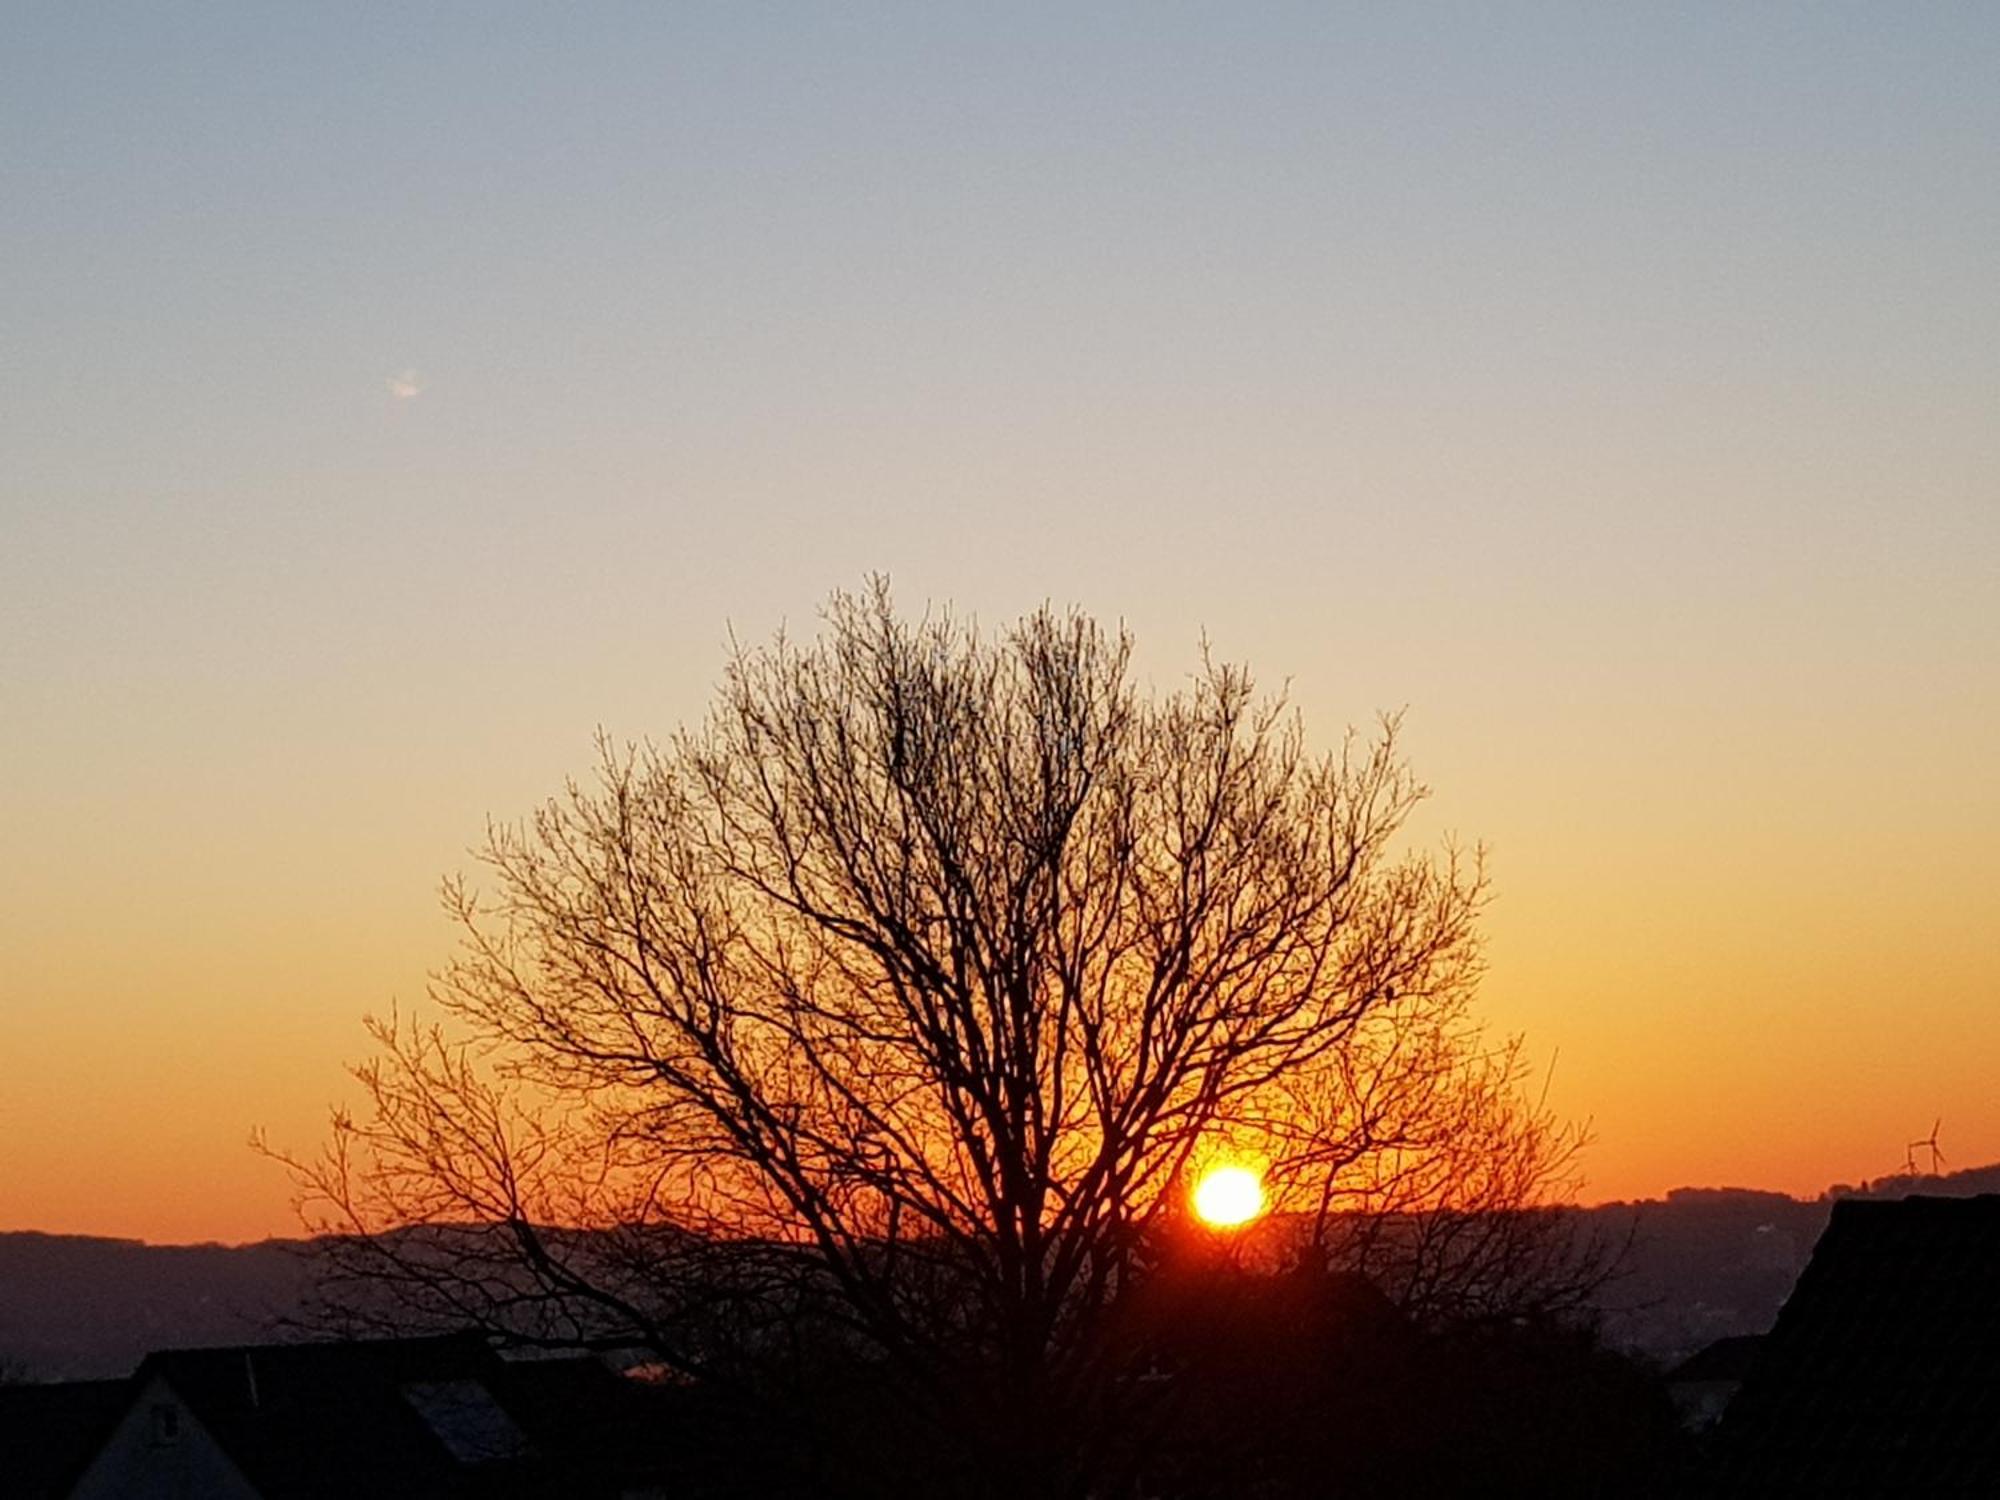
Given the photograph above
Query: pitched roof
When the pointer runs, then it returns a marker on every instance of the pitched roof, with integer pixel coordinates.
(425, 1416)
(1882, 1375)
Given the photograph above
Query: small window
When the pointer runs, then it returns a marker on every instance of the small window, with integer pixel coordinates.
(166, 1424)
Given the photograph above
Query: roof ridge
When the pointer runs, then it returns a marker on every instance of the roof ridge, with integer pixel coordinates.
(467, 1337)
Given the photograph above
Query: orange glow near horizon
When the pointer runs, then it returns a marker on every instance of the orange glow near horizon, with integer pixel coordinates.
(1228, 1197)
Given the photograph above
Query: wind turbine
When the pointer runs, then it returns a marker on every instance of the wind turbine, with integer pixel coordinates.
(1930, 1141)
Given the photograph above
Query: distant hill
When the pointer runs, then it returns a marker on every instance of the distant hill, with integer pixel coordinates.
(1961, 1184)
(1705, 1262)
(78, 1308)
(1709, 1262)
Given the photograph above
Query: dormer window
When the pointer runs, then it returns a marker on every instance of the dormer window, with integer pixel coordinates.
(166, 1424)
(463, 1415)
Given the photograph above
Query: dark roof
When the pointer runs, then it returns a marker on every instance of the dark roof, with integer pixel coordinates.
(1725, 1359)
(48, 1433)
(1882, 1376)
(714, 1445)
(439, 1417)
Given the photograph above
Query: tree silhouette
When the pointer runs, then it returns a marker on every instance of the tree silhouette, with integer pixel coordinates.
(887, 1015)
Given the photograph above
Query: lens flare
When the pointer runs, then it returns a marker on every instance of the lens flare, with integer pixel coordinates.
(1228, 1196)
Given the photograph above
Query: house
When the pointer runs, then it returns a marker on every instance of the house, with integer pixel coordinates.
(443, 1418)
(1882, 1375)
(1702, 1385)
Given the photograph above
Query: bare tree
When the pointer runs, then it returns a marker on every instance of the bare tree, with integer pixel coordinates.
(1425, 1161)
(899, 1002)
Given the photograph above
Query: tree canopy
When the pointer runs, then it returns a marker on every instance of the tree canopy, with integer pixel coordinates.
(902, 1000)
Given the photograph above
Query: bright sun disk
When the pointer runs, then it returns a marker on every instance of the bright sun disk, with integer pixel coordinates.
(1228, 1196)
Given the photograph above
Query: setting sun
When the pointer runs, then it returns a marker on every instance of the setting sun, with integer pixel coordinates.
(1228, 1196)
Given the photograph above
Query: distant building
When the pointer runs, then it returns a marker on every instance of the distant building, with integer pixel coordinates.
(1882, 1376)
(1702, 1386)
(433, 1417)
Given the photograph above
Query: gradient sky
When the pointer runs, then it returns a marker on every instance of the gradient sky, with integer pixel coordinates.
(388, 396)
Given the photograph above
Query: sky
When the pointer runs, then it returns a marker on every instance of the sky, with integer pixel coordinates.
(390, 396)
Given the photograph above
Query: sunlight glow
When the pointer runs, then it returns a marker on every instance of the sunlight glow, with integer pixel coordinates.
(1228, 1196)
